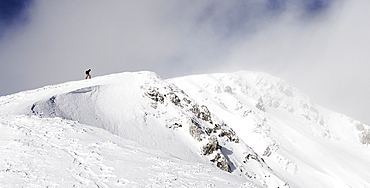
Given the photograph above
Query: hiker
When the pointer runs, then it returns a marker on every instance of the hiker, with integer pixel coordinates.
(88, 76)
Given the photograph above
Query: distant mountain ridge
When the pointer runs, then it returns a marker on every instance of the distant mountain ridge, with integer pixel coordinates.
(249, 124)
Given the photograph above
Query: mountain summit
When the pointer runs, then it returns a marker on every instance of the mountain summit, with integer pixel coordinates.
(242, 129)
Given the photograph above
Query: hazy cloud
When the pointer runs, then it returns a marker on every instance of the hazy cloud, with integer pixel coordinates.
(327, 57)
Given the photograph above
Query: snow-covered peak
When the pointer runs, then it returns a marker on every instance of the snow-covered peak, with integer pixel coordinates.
(252, 125)
(159, 115)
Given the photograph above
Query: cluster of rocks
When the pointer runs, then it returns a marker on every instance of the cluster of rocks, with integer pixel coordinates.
(201, 124)
(213, 148)
(364, 133)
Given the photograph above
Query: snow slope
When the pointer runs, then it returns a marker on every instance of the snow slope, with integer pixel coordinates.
(44, 152)
(304, 143)
(239, 129)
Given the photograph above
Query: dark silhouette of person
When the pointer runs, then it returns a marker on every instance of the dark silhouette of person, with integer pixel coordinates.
(88, 76)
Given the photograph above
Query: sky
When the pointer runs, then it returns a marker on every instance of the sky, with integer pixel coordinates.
(321, 47)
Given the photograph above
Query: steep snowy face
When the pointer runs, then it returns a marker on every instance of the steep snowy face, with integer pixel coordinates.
(260, 95)
(145, 109)
(298, 139)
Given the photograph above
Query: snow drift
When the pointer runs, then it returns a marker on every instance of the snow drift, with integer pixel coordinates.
(251, 125)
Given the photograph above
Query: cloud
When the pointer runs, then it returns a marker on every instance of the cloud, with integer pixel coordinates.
(326, 57)
(320, 46)
(64, 38)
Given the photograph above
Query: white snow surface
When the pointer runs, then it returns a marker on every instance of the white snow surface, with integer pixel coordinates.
(242, 129)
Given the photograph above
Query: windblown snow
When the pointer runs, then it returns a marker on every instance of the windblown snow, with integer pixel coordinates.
(242, 129)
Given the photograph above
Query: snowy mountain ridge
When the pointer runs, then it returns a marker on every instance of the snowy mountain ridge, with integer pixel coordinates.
(256, 127)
